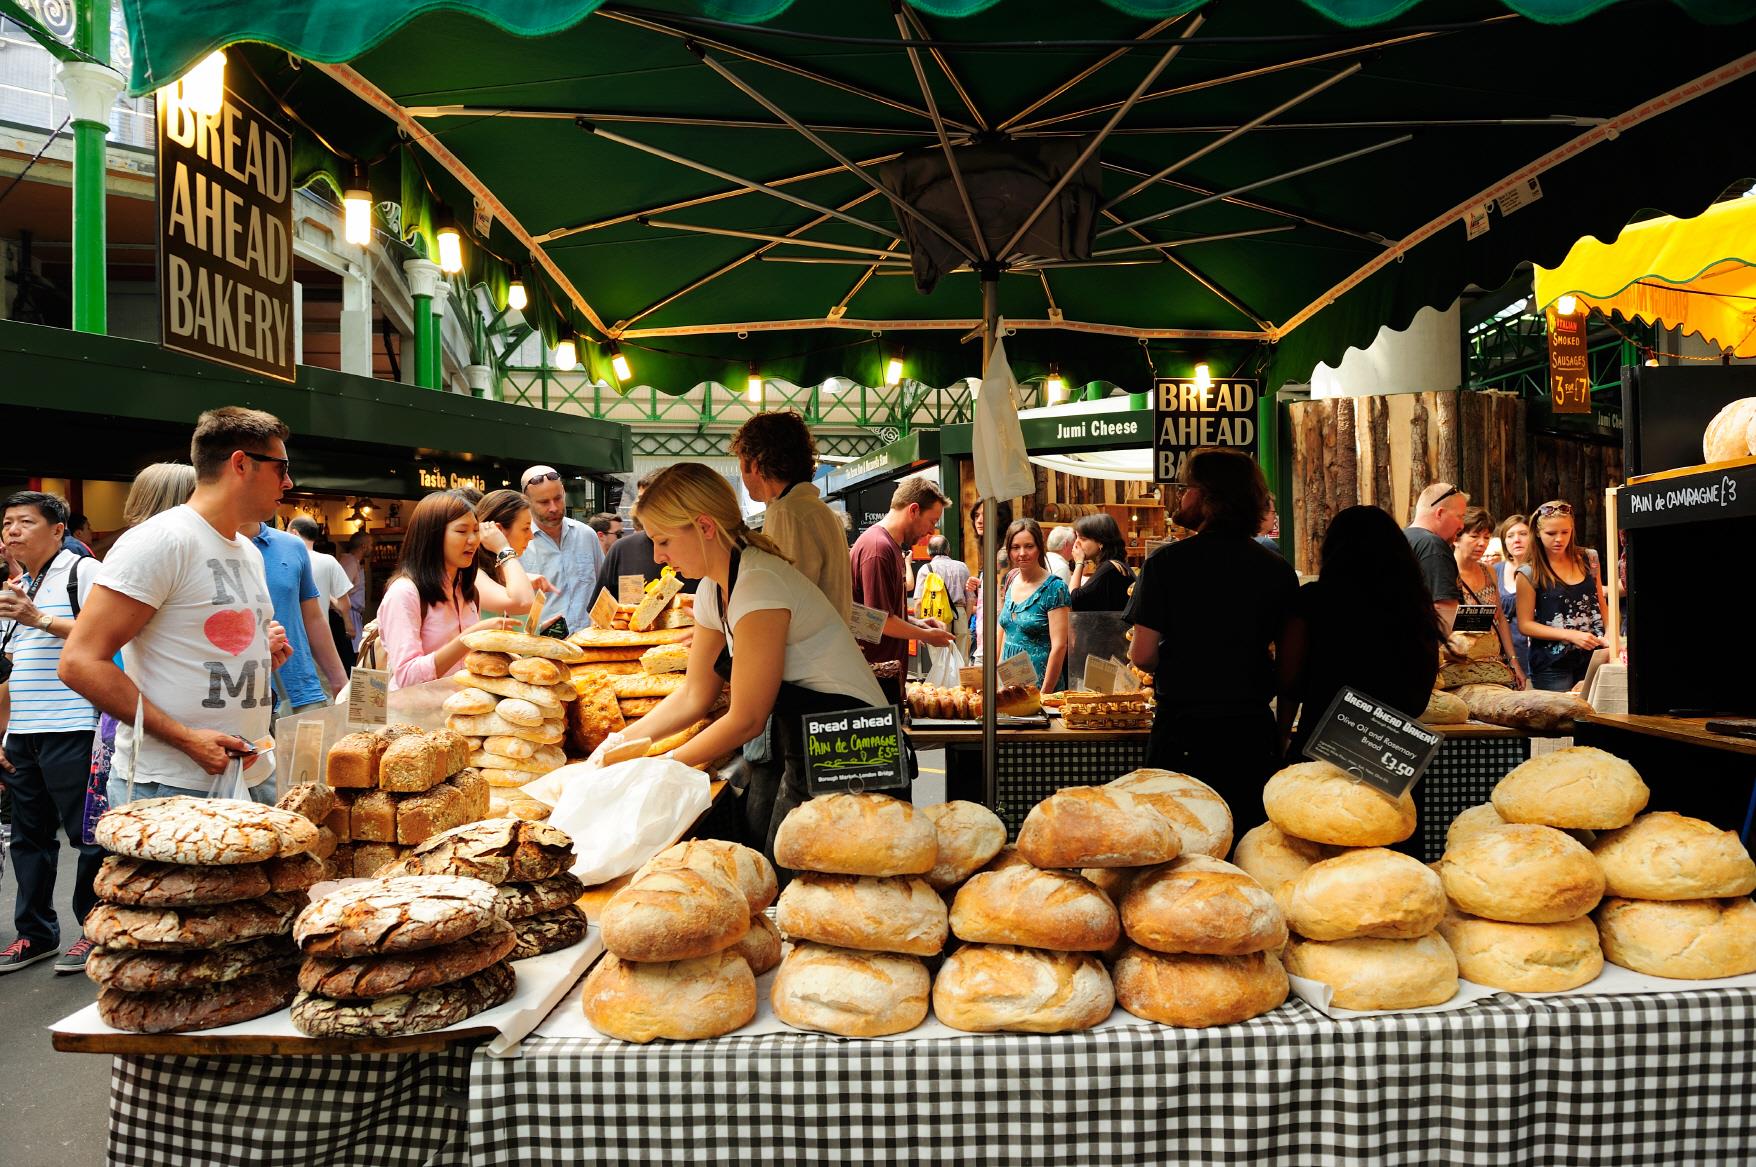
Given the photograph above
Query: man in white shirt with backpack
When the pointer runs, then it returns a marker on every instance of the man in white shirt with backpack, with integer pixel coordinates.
(45, 757)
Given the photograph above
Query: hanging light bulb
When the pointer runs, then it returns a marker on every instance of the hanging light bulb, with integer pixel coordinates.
(753, 385)
(566, 354)
(1055, 385)
(516, 297)
(1203, 376)
(450, 246)
(1567, 305)
(203, 88)
(893, 369)
(356, 205)
(618, 362)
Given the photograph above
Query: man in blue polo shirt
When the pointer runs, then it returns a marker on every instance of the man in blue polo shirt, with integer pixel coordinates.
(299, 606)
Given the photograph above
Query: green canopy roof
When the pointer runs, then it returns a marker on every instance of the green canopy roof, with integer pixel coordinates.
(1321, 162)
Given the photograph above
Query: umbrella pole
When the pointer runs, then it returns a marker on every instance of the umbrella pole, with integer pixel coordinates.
(990, 586)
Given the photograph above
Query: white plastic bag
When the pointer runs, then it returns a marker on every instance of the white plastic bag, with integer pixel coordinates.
(1002, 463)
(620, 816)
(944, 665)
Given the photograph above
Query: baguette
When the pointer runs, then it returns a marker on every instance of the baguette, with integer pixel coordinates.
(666, 744)
(546, 732)
(542, 696)
(1532, 710)
(639, 747)
(647, 684)
(590, 638)
(522, 644)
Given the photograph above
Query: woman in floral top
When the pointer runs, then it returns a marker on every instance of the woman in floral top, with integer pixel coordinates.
(1035, 603)
(1560, 601)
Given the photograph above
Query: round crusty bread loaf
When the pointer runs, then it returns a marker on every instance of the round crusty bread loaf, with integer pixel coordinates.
(404, 914)
(1524, 958)
(1728, 435)
(1522, 874)
(519, 901)
(1203, 905)
(853, 994)
(502, 850)
(207, 831)
(856, 834)
(1366, 893)
(969, 835)
(1319, 802)
(1478, 818)
(1576, 787)
(1115, 881)
(1198, 814)
(405, 972)
(141, 883)
(1056, 910)
(1667, 856)
(761, 945)
(1193, 991)
(1377, 974)
(1096, 826)
(1275, 859)
(1007, 856)
(683, 1000)
(676, 913)
(548, 932)
(158, 972)
(745, 869)
(982, 988)
(201, 1007)
(895, 914)
(179, 929)
(1445, 709)
(419, 1012)
(1691, 940)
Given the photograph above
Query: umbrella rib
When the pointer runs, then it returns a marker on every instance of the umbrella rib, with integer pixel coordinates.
(639, 119)
(847, 164)
(763, 59)
(733, 265)
(1234, 134)
(938, 56)
(1252, 205)
(969, 210)
(1091, 147)
(703, 229)
(1261, 182)
(751, 183)
(1083, 75)
(841, 306)
(1232, 301)
(1161, 244)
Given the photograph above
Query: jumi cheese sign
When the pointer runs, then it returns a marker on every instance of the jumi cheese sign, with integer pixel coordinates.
(1190, 414)
(225, 206)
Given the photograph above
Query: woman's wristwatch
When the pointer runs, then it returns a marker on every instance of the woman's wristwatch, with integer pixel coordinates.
(504, 555)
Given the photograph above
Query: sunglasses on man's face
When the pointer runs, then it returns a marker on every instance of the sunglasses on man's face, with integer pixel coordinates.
(285, 464)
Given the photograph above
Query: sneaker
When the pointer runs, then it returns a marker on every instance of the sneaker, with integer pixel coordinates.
(21, 953)
(73, 960)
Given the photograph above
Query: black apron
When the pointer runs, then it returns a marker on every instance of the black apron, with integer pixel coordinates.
(791, 703)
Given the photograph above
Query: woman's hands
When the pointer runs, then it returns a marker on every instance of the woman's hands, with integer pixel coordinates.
(1579, 638)
(493, 538)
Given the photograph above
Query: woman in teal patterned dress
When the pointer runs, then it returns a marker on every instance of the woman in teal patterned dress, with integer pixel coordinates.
(1034, 612)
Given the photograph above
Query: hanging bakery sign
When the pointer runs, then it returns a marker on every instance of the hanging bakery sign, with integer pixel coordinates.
(225, 207)
(1569, 367)
(1190, 414)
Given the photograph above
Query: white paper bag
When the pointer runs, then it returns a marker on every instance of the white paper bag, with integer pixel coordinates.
(1002, 464)
(620, 816)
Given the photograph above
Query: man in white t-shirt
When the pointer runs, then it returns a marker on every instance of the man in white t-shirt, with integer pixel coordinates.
(334, 588)
(184, 598)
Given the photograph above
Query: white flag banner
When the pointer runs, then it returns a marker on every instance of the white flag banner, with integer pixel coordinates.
(1002, 464)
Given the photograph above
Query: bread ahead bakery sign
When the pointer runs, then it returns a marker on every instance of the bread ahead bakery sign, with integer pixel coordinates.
(1190, 414)
(226, 236)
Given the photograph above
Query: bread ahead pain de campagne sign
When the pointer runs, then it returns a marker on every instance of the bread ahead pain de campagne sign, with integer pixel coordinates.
(225, 206)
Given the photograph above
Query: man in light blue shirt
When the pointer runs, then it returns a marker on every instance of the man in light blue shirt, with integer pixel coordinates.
(564, 551)
(298, 606)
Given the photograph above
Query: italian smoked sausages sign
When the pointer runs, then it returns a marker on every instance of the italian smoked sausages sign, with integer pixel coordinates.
(1187, 415)
(225, 205)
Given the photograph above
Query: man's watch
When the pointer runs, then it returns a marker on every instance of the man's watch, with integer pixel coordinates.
(44, 623)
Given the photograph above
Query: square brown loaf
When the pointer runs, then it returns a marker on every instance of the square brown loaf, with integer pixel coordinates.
(455, 748)
(412, 764)
(369, 857)
(373, 817)
(354, 761)
(421, 816)
(339, 817)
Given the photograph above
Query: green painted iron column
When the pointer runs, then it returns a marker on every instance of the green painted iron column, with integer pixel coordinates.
(438, 357)
(423, 277)
(92, 88)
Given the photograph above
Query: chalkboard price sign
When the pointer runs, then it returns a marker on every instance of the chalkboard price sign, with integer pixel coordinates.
(855, 750)
(1382, 747)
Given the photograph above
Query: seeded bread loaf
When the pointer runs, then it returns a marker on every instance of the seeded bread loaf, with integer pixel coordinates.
(353, 761)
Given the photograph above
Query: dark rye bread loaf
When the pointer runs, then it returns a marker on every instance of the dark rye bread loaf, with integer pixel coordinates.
(420, 1012)
(139, 883)
(203, 830)
(385, 976)
(203, 1007)
(519, 901)
(158, 972)
(494, 851)
(176, 929)
(548, 932)
(394, 915)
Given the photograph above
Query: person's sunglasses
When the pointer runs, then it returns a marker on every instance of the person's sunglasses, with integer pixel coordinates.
(551, 476)
(285, 464)
(1445, 496)
(1554, 508)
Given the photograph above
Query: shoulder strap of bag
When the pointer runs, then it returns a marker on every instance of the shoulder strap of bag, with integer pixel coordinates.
(73, 585)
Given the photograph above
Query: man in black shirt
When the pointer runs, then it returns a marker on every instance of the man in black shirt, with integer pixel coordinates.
(1438, 523)
(631, 553)
(1207, 612)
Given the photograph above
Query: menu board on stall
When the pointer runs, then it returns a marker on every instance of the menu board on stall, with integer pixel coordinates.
(1382, 747)
(855, 750)
(1190, 414)
(1569, 368)
(225, 218)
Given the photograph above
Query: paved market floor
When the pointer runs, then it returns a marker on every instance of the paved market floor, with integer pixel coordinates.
(52, 1105)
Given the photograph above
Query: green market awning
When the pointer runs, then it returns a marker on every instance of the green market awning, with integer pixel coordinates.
(1295, 175)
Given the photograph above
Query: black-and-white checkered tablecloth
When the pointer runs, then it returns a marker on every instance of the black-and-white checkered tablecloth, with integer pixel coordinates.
(1659, 1079)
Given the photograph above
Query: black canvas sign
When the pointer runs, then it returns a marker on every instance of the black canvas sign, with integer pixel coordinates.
(855, 750)
(1474, 618)
(1383, 747)
(1187, 415)
(225, 207)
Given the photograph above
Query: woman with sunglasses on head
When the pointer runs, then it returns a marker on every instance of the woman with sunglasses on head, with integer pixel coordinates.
(1476, 581)
(1560, 601)
(437, 593)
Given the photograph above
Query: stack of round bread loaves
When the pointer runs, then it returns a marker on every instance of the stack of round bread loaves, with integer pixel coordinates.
(1678, 902)
(685, 938)
(1363, 919)
(859, 913)
(402, 955)
(527, 864)
(197, 898)
(1034, 931)
(511, 705)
